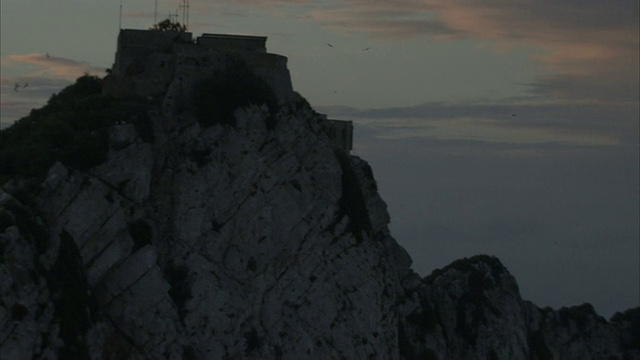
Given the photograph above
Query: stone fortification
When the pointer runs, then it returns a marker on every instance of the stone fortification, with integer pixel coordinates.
(234, 42)
(149, 61)
(341, 133)
(167, 65)
(135, 47)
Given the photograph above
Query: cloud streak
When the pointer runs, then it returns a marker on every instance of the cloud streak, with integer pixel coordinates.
(589, 49)
(508, 122)
(44, 65)
(589, 45)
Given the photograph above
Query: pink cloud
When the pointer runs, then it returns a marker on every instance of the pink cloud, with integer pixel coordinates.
(34, 78)
(592, 42)
(45, 65)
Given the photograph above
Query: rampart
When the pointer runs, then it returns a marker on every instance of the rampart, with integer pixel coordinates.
(341, 133)
(148, 61)
(233, 42)
(135, 47)
(154, 63)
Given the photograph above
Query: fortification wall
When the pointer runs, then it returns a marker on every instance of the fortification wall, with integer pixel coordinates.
(153, 39)
(341, 133)
(134, 46)
(233, 42)
(150, 62)
(273, 69)
(154, 59)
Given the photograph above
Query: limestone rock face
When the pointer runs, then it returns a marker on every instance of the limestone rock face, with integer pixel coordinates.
(250, 242)
(472, 309)
(218, 242)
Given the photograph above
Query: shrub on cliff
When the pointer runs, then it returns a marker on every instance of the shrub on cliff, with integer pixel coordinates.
(71, 128)
(218, 96)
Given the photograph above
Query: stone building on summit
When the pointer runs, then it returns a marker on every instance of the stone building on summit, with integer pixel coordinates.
(150, 63)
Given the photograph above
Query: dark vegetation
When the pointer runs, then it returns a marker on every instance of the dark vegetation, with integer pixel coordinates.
(12, 213)
(75, 307)
(189, 353)
(466, 264)
(580, 315)
(419, 324)
(252, 341)
(352, 203)
(630, 321)
(18, 312)
(71, 128)
(218, 96)
(141, 233)
(368, 173)
(180, 292)
(538, 347)
(169, 25)
(200, 156)
(74, 303)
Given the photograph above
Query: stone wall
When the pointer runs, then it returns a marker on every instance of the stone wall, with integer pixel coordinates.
(152, 60)
(341, 133)
(272, 68)
(134, 46)
(234, 42)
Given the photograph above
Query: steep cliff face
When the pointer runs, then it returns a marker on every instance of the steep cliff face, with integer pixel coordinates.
(252, 240)
(225, 241)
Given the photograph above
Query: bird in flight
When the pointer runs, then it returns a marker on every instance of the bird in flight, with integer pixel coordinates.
(367, 48)
(15, 88)
(329, 45)
(26, 84)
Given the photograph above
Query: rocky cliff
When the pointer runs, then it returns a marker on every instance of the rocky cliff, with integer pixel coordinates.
(249, 239)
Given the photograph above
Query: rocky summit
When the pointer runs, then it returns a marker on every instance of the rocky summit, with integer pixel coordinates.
(235, 229)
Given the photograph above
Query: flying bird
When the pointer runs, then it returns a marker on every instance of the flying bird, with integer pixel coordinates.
(329, 45)
(367, 48)
(15, 88)
(26, 84)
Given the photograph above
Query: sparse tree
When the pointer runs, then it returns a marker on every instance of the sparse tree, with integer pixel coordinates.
(169, 25)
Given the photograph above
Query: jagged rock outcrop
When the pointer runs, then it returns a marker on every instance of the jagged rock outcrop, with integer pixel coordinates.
(472, 309)
(250, 241)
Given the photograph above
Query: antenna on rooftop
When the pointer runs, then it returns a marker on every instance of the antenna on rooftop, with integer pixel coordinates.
(173, 17)
(185, 13)
(155, 13)
(120, 18)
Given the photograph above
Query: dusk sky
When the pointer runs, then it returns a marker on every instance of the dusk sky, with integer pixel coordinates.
(508, 128)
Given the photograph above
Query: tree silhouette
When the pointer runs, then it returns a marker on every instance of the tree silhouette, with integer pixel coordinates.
(169, 25)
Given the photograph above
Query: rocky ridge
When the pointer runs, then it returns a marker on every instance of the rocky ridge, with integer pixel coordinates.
(251, 242)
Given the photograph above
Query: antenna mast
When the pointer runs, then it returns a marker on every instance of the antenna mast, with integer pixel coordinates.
(185, 13)
(120, 18)
(155, 13)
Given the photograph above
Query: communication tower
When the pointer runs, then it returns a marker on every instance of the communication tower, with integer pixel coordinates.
(185, 13)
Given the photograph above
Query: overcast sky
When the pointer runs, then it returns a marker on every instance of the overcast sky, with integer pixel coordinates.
(506, 127)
